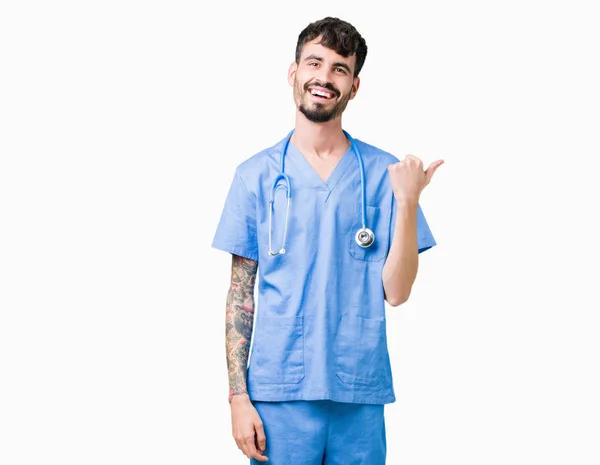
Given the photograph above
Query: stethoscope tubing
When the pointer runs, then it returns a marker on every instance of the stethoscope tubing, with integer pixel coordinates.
(288, 189)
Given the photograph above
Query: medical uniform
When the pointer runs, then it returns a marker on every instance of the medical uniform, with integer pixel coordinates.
(320, 328)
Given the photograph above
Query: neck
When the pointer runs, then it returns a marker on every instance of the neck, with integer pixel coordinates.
(321, 139)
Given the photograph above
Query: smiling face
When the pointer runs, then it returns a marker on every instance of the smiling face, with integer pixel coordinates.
(323, 82)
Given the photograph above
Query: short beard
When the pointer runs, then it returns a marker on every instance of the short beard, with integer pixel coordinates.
(318, 114)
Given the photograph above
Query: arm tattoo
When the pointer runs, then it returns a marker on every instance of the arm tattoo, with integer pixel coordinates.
(239, 320)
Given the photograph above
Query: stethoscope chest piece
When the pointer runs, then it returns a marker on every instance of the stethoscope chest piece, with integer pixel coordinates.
(364, 237)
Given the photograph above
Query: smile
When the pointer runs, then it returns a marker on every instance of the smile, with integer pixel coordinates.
(321, 94)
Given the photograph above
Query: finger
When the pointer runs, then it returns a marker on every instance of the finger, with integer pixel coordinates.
(261, 439)
(260, 457)
(237, 439)
(412, 159)
(254, 453)
(249, 447)
(401, 165)
(242, 446)
(241, 442)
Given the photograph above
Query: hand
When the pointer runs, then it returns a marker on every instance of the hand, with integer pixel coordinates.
(245, 422)
(408, 178)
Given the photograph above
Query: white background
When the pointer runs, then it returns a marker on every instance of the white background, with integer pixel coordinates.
(121, 125)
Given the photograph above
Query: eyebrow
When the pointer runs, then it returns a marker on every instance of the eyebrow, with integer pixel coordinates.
(339, 63)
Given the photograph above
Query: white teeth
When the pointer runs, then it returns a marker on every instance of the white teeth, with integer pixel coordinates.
(320, 93)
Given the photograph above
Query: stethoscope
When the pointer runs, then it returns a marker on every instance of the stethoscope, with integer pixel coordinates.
(364, 237)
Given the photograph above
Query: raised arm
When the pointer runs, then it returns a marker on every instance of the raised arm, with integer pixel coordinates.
(239, 322)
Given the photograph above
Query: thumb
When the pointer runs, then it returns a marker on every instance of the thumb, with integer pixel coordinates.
(431, 170)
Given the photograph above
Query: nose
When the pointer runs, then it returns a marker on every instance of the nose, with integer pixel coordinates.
(323, 75)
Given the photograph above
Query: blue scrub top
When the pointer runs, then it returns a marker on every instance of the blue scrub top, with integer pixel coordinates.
(320, 327)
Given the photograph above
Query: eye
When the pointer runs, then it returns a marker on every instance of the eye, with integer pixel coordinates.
(312, 63)
(341, 70)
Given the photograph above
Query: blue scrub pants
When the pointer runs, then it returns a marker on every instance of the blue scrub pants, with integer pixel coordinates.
(322, 432)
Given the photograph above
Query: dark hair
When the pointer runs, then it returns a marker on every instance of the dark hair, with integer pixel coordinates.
(340, 36)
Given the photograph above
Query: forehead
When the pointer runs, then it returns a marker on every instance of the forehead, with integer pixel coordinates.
(315, 49)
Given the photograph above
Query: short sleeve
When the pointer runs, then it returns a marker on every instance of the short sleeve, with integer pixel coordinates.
(236, 231)
(425, 239)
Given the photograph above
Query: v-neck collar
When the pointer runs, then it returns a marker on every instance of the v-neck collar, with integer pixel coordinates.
(312, 176)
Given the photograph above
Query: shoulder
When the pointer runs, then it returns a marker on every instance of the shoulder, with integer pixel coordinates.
(258, 163)
(375, 155)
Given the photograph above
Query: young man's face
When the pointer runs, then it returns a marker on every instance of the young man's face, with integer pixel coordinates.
(323, 82)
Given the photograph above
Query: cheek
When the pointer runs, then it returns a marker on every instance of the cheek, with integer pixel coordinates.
(344, 86)
(297, 82)
(346, 94)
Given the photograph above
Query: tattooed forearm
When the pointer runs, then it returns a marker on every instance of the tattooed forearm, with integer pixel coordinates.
(239, 320)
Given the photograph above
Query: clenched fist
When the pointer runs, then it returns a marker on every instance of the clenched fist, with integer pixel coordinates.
(408, 178)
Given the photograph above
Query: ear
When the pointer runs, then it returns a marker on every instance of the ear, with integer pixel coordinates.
(355, 86)
(292, 73)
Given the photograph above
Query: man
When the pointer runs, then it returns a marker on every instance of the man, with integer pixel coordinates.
(319, 375)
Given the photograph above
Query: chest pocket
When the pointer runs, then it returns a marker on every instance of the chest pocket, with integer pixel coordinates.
(378, 221)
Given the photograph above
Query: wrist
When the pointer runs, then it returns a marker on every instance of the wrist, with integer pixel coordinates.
(406, 202)
(237, 397)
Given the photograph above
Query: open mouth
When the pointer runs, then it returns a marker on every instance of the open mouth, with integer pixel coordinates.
(320, 93)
